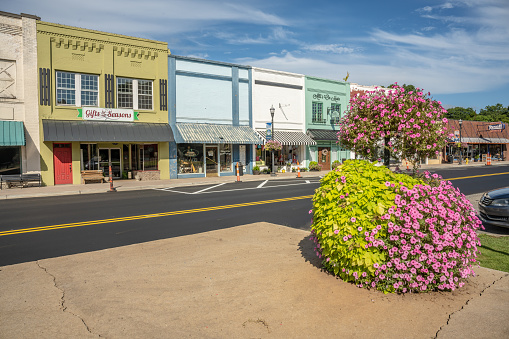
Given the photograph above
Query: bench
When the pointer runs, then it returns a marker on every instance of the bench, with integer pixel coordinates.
(92, 175)
(11, 180)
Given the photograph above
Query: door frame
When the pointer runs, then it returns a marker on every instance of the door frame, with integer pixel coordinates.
(218, 167)
(328, 156)
(109, 158)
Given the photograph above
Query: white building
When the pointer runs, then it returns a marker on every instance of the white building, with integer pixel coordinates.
(285, 92)
(19, 122)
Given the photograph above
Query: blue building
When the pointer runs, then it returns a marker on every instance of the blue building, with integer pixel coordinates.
(209, 111)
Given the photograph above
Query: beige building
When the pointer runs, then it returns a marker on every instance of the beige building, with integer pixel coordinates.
(19, 121)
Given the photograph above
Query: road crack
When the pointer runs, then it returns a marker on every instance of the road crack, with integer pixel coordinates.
(466, 303)
(62, 298)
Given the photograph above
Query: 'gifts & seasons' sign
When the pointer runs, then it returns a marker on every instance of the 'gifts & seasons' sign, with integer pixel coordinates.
(107, 114)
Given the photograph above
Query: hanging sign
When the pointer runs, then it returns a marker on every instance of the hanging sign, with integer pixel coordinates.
(268, 134)
(107, 114)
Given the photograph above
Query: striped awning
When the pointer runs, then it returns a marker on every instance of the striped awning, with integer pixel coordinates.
(214, 134)
(483, 140)
(12, 133)
(323, 134)
(289, 137)
(105, 131)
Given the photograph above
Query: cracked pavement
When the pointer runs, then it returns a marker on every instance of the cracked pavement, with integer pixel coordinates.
(259, 280)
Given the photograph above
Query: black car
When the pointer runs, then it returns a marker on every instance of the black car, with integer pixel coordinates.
(494, 207)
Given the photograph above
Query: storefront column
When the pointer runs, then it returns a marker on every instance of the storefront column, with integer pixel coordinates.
(173, 160)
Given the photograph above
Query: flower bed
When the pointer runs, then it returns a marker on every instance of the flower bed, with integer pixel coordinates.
(393, 232)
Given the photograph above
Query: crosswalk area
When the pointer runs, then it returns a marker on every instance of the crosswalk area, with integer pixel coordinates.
(240, 186)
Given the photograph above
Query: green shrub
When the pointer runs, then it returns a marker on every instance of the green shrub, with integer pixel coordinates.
(335, 164)
(314, 166)
(391, 231)
(256, 168)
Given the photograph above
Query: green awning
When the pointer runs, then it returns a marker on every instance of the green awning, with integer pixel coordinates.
(12, 133)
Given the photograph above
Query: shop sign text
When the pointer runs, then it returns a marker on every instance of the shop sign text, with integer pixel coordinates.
(107, 114)
(326, 97)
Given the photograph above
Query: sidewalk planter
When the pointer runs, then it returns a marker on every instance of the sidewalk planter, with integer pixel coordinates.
(146, 175)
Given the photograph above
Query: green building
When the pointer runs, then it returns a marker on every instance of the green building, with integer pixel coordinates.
(326, 102)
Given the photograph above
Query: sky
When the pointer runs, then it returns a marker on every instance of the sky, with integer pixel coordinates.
(456, 50)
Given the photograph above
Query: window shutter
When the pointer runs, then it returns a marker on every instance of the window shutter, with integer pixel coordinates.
(44, 86)
(163, 95)
(109, 90)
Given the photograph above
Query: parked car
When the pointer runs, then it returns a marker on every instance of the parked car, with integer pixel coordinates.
(494, 207)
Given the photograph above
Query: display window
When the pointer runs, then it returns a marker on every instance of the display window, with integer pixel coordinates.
(225, 157)
(10, 160)
(190, 158)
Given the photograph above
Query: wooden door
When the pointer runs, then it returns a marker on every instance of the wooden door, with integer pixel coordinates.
(324, 158)
(62, 162)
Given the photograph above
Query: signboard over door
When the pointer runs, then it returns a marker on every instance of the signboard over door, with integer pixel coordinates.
(107, 114)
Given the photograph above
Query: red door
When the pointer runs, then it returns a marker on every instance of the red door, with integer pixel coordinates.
(62, 161)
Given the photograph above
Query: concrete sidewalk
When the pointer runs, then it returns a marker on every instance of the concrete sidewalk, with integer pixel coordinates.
(254, 281)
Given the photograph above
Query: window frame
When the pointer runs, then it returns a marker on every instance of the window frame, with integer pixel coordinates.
(332, 106)
(135, 94)
(317, 117)
(78, 89)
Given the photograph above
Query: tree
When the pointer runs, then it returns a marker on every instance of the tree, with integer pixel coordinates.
(457, 113)
(408, 88)
(495, 113)
(399, 123)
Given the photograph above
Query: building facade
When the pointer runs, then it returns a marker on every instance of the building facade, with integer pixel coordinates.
(474, 140)
(19, 122)
(284, 92)
(326, 102)
(102, 104)
(210, 115)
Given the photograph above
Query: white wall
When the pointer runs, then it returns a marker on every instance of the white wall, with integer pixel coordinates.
(292, 100)
(18, 38)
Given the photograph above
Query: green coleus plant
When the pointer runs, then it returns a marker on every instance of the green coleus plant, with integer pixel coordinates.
(391, 231)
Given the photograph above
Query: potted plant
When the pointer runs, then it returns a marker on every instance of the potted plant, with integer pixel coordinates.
(314, 166)
(476, 158)
(256, 170)
(272, 145)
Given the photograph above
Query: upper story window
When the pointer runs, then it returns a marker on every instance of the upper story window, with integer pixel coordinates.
(335, 116)
(75, 89)
(317, 113)
(134, 93)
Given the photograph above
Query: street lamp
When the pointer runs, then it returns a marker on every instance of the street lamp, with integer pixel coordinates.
(272, 110)
(461, 146)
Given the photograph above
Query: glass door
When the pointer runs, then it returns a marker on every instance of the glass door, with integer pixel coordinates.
(110, 154)
(211, 161)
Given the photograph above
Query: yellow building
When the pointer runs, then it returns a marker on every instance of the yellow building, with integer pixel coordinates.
(102, 102)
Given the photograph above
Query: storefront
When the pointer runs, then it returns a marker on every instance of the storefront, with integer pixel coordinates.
(12, 139)
(291, 155)
(131, 149)
(328, 149)
(212, 149)
(474, 140)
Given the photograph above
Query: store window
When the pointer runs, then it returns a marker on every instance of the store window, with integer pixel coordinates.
(89, 160)
(148, 156)
(335, 116)
(134, 93)
(190, 158)
(317, 113)
(74, 89)
(10, 160)
(225, 157)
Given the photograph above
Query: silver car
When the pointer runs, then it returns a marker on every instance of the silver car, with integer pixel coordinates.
(494, 207)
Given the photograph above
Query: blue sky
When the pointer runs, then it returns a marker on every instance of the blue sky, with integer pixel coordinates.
(457, 50)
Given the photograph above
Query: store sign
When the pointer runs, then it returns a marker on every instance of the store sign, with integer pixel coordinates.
(268, 133)
(107, 114)
(320, 96)
(497, 127)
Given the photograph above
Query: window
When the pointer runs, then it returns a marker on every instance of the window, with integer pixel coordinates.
(190, 158)
(225, 157)
(74, 89)
(134, 93)
(317, 113)
(335, 116)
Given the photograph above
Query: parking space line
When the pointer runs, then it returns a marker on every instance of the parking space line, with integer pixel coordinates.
(208, 188)
(263, 183)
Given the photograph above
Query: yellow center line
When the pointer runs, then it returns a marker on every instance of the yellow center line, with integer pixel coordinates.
(147, 216)
(477, 176)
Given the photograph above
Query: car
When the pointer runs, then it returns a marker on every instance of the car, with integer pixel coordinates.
(494, 207)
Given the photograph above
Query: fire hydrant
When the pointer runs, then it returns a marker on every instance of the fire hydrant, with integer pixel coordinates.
(466, 161)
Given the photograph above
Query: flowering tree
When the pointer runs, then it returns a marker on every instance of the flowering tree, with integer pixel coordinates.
(398, 123)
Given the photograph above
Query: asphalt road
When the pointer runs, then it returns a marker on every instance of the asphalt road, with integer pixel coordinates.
(57, 226)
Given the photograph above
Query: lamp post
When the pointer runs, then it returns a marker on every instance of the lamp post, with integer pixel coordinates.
(461, 146)
(272, 110)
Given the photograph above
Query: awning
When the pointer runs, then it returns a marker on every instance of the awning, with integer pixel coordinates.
(12, 133)
(483, 140)
(322, 134)
(105, 131)
(215, 134)
(289, 137)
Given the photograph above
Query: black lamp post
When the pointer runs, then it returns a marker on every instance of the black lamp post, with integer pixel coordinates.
(272, 110)
(461, 146)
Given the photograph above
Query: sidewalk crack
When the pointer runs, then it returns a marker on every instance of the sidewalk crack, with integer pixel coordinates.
(466, 303)
(62, 298)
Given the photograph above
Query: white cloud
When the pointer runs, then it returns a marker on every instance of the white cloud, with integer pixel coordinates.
(331, 48)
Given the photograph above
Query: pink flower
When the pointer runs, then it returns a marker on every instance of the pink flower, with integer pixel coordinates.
(353, 219)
